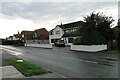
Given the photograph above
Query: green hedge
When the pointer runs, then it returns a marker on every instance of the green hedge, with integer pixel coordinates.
(12, 42)
(92, 37)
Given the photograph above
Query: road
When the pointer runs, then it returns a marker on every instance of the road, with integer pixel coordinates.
(70, 64)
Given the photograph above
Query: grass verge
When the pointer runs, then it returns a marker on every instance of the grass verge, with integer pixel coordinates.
(114, 51)
(26, 68)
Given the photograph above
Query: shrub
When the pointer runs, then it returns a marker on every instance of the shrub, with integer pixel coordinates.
(92, 37)
(76, 41)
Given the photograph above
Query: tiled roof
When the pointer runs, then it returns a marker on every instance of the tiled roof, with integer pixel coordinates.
(28, 32)
(70, 25)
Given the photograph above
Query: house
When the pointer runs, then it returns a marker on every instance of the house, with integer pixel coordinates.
(41, 34)
(37, 36)
(17, 36)
(10, 38)
(66, 32)
(26, 35)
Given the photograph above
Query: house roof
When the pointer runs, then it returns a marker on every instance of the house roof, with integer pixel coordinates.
(17, 35)
(71, 25)
(40, 29)
(28, 32)
(10, 36)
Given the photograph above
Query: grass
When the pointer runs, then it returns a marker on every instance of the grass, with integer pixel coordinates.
(114, 51)
(27, 69)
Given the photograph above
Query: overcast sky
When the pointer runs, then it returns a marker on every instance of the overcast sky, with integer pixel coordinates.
(18, 16)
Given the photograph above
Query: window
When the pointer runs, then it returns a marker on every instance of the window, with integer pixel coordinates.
(70, 40)
(22, 35)
(57, 32)
(35, 35)
(74, 30)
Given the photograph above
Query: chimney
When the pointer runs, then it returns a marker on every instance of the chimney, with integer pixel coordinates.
(18, 32)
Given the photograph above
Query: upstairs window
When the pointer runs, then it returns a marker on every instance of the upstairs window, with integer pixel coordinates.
(57, 32)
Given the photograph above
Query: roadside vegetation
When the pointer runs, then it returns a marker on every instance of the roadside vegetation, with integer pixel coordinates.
(114, 51)
(12, 42)
(97, 29)
(26, 68)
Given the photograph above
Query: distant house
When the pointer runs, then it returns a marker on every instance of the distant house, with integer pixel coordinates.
(26, 35)
(10, 38)
(66, 32)
(41, 34)
(17, 36)
(34, 37)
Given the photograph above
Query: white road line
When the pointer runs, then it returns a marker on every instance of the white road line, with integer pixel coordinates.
(15, 53)
(111, 58)
(83, 60)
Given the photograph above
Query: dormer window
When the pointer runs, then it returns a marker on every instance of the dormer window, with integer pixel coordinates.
(35, 35)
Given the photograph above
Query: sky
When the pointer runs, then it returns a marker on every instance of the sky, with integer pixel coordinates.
(18, 16)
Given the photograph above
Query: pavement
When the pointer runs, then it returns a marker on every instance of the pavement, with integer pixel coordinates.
(70, 64)
(9, 72)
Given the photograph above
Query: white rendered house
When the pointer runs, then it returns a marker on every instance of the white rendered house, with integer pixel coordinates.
(66, 32)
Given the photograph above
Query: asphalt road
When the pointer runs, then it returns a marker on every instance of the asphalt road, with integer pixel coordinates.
(70, 64)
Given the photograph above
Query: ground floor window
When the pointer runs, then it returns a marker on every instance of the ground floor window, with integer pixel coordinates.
(70, 40)
(52, 40)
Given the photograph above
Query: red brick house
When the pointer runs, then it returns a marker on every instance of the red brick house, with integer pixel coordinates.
(26, 35)
(41, 34)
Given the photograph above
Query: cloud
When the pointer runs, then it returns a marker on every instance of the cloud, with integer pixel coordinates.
(33, 15)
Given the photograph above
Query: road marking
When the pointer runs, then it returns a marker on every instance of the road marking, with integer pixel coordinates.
(15, 52)
(83, 60)
(111, 58)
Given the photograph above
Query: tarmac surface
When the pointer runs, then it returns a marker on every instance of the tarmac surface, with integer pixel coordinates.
(70, 64)
(10, 72)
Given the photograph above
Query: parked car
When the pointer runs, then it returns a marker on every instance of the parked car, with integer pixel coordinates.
(60, 43)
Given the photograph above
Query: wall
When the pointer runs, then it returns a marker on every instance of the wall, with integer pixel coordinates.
(37, 41)
(40, 45)
(56, 36)
(14, 38)
(91, 48)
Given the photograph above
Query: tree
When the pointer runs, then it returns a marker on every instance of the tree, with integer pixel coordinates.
(96, 29)
(117, 36)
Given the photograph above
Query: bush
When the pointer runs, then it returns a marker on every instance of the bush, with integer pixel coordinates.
(92, 37)
(76, 41)
(12, 42)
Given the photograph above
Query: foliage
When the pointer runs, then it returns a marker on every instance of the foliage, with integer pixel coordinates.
(76, 41)
(96, 29)
(92, 38)
(12, 42)
(27, 68)
(117, 35)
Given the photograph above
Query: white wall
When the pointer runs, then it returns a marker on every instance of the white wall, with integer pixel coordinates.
(56, 36)
(40, 45)
(91, 48)
(14, 38)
